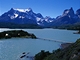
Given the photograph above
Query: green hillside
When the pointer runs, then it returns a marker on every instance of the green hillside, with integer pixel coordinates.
(72, 52)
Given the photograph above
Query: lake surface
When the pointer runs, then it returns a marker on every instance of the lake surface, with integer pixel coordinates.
(12, 49)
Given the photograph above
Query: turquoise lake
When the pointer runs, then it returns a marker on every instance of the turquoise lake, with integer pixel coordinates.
(12, 49)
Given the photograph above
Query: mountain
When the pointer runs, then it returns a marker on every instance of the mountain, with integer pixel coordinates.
(26, 18)
(19, 16)
(68, 20)
(68, 17)
(78, 12)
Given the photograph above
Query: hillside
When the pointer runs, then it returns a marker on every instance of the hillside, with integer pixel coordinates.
(72, 52)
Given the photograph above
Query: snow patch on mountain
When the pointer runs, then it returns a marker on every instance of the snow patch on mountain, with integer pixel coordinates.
(16, 15)
(29, 17)
(23, 10)
(21, 17)
(38, 19)
(13, 16)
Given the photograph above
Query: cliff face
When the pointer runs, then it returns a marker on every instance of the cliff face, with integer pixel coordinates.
(72, 52)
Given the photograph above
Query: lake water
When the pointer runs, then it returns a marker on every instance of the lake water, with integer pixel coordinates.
(12, 49)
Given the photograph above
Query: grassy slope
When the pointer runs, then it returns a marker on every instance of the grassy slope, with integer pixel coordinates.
(72, 52)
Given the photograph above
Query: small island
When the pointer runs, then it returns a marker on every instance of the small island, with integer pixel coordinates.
(16, 33)
(77, 32)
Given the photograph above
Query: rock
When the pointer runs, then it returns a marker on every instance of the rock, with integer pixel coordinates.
(64, 45)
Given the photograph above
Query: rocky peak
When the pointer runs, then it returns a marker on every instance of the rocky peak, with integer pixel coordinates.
(39, 15)
(69, 12)
(78, 12)
(29, 9)
(12, 9)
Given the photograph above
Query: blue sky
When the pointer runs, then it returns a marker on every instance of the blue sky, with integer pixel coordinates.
(51, 8)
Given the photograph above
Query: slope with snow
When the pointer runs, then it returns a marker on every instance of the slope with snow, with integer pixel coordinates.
(27, 16)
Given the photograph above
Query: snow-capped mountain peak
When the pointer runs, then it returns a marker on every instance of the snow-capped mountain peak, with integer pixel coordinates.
(23, 10)
(27, 16)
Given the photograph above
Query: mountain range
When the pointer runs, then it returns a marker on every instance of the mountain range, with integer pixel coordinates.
(26, 18)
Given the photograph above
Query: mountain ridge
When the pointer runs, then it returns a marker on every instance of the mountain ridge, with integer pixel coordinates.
(27, 16)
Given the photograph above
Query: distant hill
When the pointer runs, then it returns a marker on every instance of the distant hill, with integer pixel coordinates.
(26, 18)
